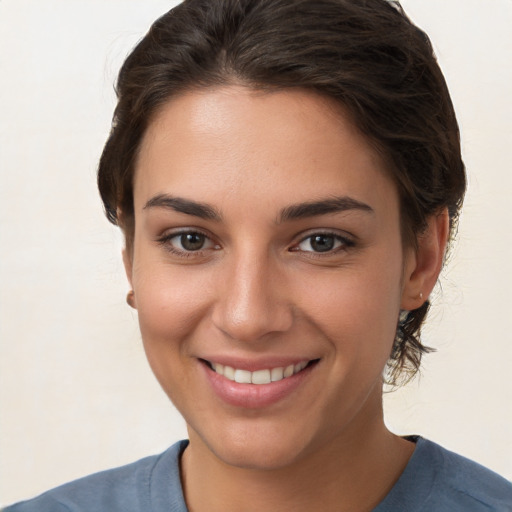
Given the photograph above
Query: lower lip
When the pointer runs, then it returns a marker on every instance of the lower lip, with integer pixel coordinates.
(253, 396)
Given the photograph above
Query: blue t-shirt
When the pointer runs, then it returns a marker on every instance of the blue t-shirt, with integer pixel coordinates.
(435, 480)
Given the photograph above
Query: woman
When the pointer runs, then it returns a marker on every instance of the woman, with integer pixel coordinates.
(287, 176)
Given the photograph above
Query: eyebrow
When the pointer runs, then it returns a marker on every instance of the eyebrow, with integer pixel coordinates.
(292, 212)
(186, 206)
(323, 207)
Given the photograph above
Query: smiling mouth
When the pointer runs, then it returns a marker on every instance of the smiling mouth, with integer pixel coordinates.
(259, 377)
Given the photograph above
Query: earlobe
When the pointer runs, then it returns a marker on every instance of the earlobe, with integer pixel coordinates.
(423, 264)
(130, 299)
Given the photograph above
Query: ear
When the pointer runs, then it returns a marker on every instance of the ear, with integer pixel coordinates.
(128, 264)
(423, 263)
(128, 268)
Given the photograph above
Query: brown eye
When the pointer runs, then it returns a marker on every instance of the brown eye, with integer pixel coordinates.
(188, 242)
(323, 243)
(192, 241)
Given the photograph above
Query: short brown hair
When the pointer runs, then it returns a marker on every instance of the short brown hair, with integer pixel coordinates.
(365, 54)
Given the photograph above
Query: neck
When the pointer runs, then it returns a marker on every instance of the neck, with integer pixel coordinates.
(353, 472)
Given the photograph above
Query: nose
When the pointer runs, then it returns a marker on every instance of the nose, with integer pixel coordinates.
(252, 302)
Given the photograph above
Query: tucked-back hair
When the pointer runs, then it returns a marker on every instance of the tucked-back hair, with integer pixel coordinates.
(364, 54)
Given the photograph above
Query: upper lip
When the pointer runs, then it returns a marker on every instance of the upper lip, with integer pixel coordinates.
(254, 364)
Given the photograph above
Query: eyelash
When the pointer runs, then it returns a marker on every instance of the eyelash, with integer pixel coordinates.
(165, 241)
(345, 243)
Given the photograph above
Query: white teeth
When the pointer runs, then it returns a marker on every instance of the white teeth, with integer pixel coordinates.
(243, 376)
(288, 371)
(259, 376)
(218, 368)
(229, 372)
(276, 374)
(299, 366)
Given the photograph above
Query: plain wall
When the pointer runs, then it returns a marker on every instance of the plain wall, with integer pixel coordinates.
(76, 393)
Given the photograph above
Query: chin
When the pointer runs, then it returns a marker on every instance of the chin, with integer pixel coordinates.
(261, 446)
(259, 456)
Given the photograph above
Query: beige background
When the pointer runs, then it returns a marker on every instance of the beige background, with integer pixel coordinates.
(76, 393)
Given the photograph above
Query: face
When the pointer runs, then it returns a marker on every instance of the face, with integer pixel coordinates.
(268, 271)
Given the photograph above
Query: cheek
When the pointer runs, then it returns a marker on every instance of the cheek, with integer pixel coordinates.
(356, 309)
(171, 302)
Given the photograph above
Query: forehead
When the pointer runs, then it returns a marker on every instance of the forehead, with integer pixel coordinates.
(237, 144)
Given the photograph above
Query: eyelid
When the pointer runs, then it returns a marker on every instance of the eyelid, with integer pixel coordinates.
(165, 239)
(347, 241)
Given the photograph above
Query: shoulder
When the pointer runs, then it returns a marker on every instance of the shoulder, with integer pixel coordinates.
(438, 479)
(462, 481)
(131, 488)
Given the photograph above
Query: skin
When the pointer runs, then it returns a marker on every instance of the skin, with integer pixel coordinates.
(258, 290)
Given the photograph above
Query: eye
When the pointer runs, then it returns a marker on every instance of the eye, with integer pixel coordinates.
(190, 241)
(323, 243)
(187, 242)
